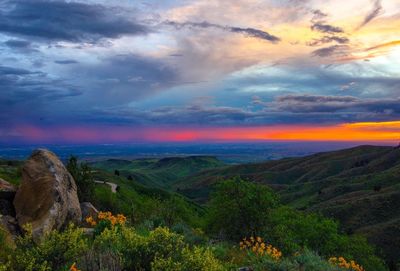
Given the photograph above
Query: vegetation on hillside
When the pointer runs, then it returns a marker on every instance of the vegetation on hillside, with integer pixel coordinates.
(293, 240)
(159, 173)
(82, 175)
(244, 224)
(359, 187)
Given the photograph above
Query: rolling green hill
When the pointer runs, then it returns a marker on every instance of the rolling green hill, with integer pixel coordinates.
(159, 172)
(359, 186)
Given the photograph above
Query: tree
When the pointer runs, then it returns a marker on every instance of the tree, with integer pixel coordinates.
(82, 174)
(116, 172)
(240, 208)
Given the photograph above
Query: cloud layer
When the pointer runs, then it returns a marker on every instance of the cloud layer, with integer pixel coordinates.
(68, 21)
(204, 63)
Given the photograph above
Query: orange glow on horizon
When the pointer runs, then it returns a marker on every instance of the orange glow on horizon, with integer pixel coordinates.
(361, 131)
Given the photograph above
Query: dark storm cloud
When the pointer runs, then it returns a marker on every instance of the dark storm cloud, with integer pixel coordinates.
(19, 44)
(328, 39)
(24, 93)
(334, 50)
(193, 114)
(251, 32)
(319, 24)
(319, 103)
(68, 21)
(136, 72)
(287, 109)
(326, 28)
(115, 80)
(376, 10)
(66, 62)
(318, 15)
(7, 71)
(121, 79)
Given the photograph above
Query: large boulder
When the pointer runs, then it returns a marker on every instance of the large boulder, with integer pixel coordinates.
(47, 196)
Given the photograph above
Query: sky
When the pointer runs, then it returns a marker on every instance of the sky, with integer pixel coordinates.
(102, 71)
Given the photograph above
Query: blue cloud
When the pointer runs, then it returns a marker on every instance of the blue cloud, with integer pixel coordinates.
(66, 21)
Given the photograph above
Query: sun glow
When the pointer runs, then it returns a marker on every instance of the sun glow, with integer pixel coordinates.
(361, 131)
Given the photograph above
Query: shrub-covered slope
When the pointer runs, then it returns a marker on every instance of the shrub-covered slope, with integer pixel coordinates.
(159, 172)
(359, 186)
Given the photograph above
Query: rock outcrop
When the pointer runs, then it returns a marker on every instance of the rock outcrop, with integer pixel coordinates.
(7, 194)
(47, 196)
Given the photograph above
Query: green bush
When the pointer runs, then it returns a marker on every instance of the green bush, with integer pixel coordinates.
(357, 247)
(82, 175)
(57, 251)
(5, 249)
(292, 230)
(160, 250)
(243, 209)
(196, 259)
(239, 208)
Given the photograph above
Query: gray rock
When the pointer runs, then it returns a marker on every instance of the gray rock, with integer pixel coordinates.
(47, 197)
(88, 209)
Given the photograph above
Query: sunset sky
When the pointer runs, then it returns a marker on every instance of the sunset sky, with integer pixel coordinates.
(206, 70)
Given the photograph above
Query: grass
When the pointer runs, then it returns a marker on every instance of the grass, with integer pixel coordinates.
(10, 171)
(159, 173)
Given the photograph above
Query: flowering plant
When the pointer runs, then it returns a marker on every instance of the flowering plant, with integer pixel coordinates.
(105, 220)
(343, 263)
(258, 247)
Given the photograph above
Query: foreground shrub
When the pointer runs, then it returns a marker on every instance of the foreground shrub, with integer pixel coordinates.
(344, 264)
(196, 259)
(239, 208)
(292, 231)
(105, 220)
(5, 250)
(259, 248)
(160, 250)
(306, 260)
(57, 251)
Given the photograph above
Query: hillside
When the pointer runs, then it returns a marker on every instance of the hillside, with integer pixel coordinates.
(359, 186)
(158, 172)
(337, 186)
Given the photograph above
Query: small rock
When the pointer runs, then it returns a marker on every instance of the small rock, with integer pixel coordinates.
(88, 210)
(88, 231)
